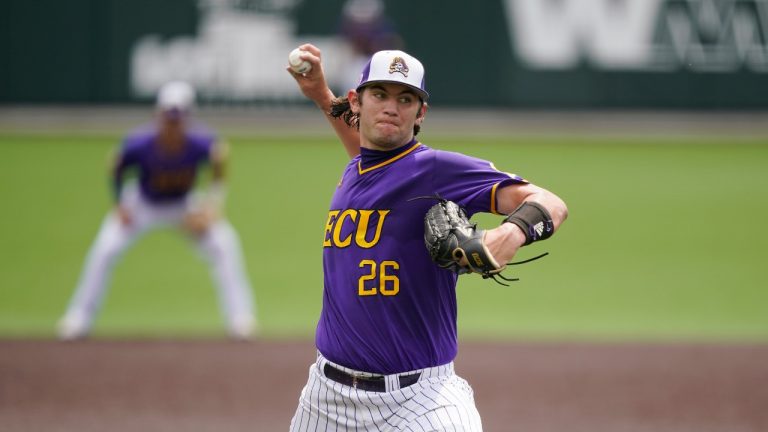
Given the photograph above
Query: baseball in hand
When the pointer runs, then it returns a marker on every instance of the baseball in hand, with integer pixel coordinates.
(297, 64)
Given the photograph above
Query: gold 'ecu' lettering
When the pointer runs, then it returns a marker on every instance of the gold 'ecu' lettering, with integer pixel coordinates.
(360, 220)
(180, 180)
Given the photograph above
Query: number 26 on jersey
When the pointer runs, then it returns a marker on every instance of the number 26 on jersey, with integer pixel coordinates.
(378, 278)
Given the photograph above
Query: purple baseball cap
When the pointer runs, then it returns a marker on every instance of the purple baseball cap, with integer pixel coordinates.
(394, 67)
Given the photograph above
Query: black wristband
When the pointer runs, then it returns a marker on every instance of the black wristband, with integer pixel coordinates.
(534, 220)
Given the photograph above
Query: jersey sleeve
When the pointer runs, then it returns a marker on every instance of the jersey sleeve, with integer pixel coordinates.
(127, 156)
(204, 141)
(470, 182)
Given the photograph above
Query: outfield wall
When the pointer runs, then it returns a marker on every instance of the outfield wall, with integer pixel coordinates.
(569, 54)
(442, 122)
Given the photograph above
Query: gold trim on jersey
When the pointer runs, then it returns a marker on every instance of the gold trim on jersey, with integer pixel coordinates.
(493, 198)
(517, 179)
(361, 171)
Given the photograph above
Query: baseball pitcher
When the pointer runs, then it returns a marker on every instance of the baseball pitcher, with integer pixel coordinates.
(386, 338)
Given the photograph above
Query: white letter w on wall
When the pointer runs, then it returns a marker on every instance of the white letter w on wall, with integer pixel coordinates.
(559, 34)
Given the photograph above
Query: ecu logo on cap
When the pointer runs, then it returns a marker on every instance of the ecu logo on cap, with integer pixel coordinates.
(398, 65)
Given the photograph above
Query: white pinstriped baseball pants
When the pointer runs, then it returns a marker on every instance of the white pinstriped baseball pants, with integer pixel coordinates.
(220, 246)
(439, 401)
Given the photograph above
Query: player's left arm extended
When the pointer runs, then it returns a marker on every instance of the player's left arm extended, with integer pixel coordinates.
(527, 205)
(204, 210)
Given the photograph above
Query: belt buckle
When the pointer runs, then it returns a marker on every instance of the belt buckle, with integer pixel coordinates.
(354, 381)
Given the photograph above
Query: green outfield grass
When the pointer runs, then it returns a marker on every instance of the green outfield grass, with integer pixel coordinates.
(666, 240)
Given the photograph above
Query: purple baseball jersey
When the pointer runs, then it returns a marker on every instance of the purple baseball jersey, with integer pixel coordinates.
(387, 308)
(163, 176)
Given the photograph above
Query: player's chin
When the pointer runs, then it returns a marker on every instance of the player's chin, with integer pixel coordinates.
(389, 136)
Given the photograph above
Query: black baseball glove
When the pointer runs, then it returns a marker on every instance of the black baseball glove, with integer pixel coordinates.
(450, 236)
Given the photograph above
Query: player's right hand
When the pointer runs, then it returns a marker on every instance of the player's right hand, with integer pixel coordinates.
(198, 221)
(124, 215)
(313, 84)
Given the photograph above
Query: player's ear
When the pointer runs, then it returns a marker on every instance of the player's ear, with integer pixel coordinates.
(422, 113)
(354, 100)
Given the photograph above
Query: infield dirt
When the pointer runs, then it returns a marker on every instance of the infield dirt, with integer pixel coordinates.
(221, 386)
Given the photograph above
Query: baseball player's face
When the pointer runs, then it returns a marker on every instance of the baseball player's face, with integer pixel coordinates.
(172, 124)
(172, 116)
(388, 113)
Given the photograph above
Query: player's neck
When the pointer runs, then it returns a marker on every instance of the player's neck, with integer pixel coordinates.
(171, 139)
(370, 157)
(385, 147)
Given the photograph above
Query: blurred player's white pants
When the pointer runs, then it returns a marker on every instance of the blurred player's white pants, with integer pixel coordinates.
(220, 246)
(439, 401)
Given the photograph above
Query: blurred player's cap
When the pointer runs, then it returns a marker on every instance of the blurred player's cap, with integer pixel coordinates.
(394, 67)
(363, 10)
(176, 95)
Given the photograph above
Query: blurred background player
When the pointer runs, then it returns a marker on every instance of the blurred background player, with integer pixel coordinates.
(168, 156)
(366, 28)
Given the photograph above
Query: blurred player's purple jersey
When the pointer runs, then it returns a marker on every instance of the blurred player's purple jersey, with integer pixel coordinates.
(387, 308)
(164, 176)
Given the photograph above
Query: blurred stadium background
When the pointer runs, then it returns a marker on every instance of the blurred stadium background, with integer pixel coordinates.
(649, 117)
(694, 54)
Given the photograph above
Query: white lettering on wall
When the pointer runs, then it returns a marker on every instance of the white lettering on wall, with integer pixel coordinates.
(237, 55)
(700, 35)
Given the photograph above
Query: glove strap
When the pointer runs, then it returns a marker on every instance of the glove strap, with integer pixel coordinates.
(534, 220)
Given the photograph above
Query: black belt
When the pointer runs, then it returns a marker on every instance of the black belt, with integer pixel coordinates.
(372, 384)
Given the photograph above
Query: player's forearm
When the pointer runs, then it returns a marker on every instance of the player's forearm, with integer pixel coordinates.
(553, 204)
(216, 195)
(314, 87)
(117, 183)
(504, 241)
(534, 214)
(349, 136)
(544, 213)
(512, 196)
